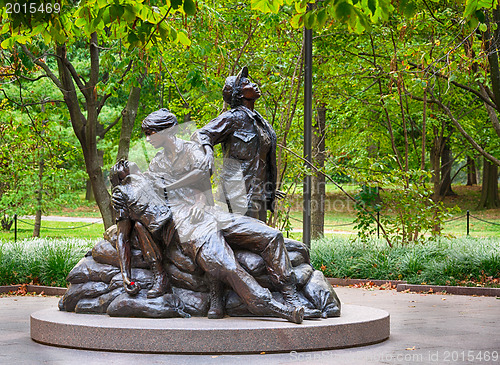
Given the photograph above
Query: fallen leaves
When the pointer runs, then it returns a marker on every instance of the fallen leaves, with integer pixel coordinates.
(22, 291)
(369, 285)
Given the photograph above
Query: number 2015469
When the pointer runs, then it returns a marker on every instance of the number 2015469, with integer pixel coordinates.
(32, 8)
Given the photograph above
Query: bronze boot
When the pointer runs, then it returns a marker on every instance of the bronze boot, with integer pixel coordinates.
(292, 314)
(160, 281)
(291, 297)
(216, 310)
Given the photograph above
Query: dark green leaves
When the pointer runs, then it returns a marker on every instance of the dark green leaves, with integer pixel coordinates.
(372, 5)
(189, 7)
(176, 4)
(408, 8)
(343, 11)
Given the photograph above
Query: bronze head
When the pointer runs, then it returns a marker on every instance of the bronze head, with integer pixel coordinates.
(158, 121)
(121, 170)
(231, 92)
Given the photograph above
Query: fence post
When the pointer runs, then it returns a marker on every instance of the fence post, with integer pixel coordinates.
(468, 215)
(15, 227)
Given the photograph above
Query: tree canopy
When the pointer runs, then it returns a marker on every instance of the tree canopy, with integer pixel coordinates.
(403, 83)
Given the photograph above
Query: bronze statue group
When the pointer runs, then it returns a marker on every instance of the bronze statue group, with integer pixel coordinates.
(172, 204)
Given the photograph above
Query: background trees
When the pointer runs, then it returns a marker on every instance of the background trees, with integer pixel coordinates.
(61, 40)
(402, 90)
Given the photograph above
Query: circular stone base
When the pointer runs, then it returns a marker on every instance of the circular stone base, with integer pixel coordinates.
(357, 326)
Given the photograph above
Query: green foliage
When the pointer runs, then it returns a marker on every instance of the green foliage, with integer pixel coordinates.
(357, 15)
(464, 261)
(473, 12)
(408, 211)
(58, 262)
(26, 142)
(40, 261)
(134, 23)
(373, 84)
(106, 48)
(368, 206)
(366, 81)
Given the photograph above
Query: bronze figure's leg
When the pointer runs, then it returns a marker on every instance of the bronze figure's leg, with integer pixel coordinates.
(269, 244)
(216, 258)
(247, 233)
(153, 256)
(216, 310)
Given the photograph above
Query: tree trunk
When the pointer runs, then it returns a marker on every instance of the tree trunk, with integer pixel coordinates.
(489, 192)
(85, 128)
(446, 162)
(39, 198)
(89, 194)
(129, 114)
(318, 194)
(435, 163)
(471, 172)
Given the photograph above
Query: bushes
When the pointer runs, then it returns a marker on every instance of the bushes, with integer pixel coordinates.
(464, 261)
(41, 261)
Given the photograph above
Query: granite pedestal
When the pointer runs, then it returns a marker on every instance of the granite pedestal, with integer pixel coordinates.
(357, 326)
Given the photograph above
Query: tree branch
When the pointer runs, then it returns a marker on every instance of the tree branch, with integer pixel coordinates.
(492, 113)
(107, 129)
(457, 124)
(382, 102)
(176, 86)
(157, 25)
(120, 82)
(69, 66)
(432, 13)
(23, 105)
(44, 66)
(94, 62)
(457, 84)
(240, 53)
(24, 77)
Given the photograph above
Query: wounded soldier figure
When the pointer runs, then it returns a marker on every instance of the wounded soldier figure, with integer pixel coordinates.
(208, 246)
(138, 206)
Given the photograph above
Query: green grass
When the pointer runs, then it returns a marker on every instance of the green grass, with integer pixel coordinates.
(342, 223)
(459, 261)
(40, 261)
(339, 211)
(51, 229)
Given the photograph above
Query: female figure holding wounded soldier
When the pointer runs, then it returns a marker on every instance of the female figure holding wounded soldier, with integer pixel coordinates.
(209, 242)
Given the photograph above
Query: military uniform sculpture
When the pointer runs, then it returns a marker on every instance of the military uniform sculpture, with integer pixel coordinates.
(174, 252)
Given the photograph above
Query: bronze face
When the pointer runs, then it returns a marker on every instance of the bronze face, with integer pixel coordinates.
(249, 90)
(164, 138)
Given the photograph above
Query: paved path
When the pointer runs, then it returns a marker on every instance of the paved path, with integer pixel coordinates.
(425, 329)
(54, 218)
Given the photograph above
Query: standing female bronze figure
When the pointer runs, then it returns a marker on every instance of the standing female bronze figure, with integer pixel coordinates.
(249, 146)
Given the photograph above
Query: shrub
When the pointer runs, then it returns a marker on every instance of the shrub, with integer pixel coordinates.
(442, 262)
(41, 261)
(404, 200)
